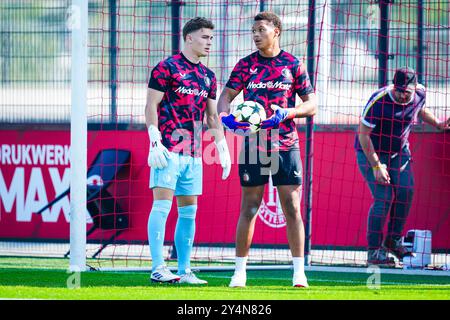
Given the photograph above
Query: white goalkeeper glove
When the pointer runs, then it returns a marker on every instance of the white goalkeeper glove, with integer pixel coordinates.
(224, 157)
(158, 153)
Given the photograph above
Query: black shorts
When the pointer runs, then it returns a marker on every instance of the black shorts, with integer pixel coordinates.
(285, 167)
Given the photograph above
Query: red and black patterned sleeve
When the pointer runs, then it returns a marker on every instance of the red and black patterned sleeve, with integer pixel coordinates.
(236, 81)
(213, 90)
(160, 77)
(302, 83)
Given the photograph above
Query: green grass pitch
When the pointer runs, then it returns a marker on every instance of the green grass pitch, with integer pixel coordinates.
(45, 278)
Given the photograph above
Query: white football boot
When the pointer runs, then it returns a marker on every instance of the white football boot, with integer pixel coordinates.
(190, 278)
(163, 274)
(238, 280)
(299, 280)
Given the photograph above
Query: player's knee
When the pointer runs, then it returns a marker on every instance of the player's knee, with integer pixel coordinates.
(161, 208)
(292, 212)
(291, 209)
(405, 195)
(250, 209)
(381, 207)
(187, 212)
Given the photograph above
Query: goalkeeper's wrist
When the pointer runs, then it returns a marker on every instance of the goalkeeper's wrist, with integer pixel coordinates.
(292, 113)
(289, 114)
(153, 133)
(221, 144)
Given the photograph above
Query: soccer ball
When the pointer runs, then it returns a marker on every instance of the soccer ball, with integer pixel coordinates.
(252, 112)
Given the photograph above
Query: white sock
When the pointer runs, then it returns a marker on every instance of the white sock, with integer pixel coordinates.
(241, 264)
(299, 264)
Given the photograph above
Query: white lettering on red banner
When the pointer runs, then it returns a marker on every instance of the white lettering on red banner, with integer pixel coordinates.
(27, 188)
(30, 154)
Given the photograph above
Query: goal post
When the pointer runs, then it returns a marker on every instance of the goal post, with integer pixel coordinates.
(77, 22)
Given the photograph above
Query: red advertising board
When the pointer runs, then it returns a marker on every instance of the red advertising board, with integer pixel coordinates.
(34, 168)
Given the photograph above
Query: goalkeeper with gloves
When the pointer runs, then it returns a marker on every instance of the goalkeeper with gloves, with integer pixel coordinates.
(273, 78)
(181, 89)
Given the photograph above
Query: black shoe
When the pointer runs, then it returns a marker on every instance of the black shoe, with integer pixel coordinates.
(394, 246)
(379, 257)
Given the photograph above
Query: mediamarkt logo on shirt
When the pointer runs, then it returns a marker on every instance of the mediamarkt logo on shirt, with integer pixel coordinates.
(194, 92)
(269, 85)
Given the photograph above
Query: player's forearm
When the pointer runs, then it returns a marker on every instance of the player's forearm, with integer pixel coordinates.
(428, 117)
(215, 126)
(223, 105)
(368, 149)
(306, 109)
(151, 115)
(154, 98)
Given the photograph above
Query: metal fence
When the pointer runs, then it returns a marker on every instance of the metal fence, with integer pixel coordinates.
(128, 37)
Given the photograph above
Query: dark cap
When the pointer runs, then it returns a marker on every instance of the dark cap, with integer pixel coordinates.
(404, 77)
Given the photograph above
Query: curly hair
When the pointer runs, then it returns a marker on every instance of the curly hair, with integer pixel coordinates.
(271, 17)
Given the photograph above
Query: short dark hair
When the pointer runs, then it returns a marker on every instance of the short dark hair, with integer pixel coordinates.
(196, 24)
(271, 17)
(404, 77)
